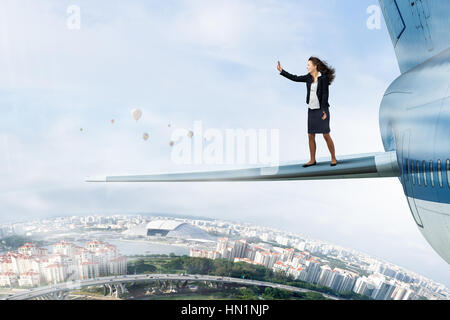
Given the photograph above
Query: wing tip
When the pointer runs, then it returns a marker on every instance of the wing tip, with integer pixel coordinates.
(96, 179)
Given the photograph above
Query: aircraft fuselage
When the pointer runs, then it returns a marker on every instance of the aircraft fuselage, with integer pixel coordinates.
(415, 122)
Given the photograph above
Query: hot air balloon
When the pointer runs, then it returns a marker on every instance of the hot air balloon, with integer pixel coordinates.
(136, 113)
(145, 136)
(112, 120)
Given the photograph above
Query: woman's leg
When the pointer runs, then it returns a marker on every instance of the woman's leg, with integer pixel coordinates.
(330, 145)
(312, 147)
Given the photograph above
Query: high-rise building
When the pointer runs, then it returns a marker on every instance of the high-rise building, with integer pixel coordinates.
(65, 247)
(250, 252)
(214, 255)
(240, 247)
(361, 285)
(266, 258)
(384, 291)
(398, 293)
(31, 265)
(222, 243)
(288, 255)
(348, 282)
(313, 270)
(8, 279)
(336, 280)
(279, 266)
(388, 272)
(325, 275)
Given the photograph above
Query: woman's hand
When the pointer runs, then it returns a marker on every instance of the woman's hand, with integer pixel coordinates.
(279, 67)
(324, 115)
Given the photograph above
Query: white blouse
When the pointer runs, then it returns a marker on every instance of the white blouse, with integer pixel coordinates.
(313, 99)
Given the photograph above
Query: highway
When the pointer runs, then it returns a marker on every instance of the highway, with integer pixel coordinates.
(111, 280)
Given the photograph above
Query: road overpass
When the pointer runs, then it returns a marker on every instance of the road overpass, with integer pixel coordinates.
(116, 285)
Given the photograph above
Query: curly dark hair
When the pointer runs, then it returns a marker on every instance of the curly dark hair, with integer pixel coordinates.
(324, 68)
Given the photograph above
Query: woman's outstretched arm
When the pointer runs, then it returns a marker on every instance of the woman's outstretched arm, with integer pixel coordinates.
(292, 77)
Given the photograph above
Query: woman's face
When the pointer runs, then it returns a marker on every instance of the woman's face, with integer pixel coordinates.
(311, 67)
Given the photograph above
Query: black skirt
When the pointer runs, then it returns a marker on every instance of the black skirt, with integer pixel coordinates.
(315, 122)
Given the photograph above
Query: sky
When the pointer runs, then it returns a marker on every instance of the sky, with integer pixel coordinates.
(182, 61)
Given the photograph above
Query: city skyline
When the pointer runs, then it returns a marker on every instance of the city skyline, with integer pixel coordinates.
(184, 216)
(280, 237)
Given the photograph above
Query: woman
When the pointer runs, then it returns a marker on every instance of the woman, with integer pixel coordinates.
(319, 77)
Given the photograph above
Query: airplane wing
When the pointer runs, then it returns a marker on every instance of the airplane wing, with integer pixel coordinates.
(367, 165)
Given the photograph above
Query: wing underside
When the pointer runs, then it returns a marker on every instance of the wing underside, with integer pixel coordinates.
(368, 165)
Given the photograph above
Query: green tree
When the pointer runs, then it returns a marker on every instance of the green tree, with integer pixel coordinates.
(174, 264)
(274, 293)
(246, 294)
(199, 265)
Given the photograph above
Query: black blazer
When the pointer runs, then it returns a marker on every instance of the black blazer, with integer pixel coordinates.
(322, 87)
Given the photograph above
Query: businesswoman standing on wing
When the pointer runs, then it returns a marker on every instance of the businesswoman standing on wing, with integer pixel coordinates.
(319, 77)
